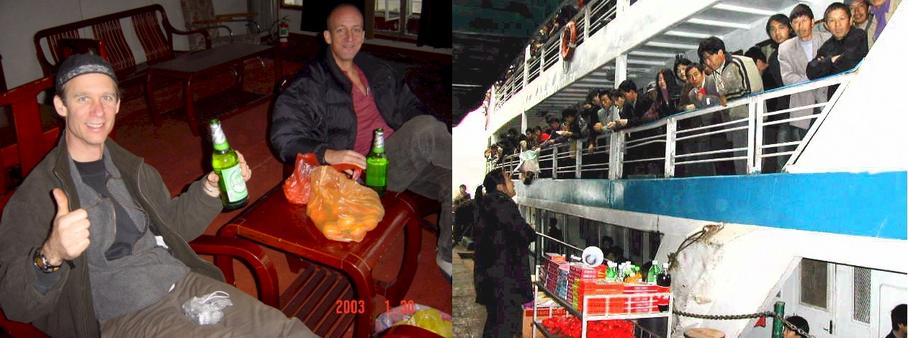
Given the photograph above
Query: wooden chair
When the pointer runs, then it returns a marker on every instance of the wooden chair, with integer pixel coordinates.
(32, 142)
(199, 15)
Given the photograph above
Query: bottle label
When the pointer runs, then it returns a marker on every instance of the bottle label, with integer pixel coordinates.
(376, 172)
(234, 183)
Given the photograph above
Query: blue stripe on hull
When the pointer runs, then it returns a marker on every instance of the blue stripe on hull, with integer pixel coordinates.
(860, 204)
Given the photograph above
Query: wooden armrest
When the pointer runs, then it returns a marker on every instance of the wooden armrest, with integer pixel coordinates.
(252, 255)
(9, 328)
(204, 33)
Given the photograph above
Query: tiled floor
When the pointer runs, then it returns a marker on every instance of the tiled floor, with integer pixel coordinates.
(180, 158)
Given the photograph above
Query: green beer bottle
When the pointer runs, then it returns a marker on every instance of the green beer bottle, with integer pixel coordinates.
(227, 166)
(377, 163)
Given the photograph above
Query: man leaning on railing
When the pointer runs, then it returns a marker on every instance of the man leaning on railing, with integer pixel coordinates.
(735, 77)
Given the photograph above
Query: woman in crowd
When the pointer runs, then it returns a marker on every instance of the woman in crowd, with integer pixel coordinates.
(501, 274)
(681, 64)
(668, 95)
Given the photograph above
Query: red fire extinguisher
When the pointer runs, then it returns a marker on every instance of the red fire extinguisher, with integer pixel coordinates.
(283, 31)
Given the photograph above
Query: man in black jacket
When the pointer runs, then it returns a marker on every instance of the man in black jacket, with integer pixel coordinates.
(334, 104)
(843, 51)
(635, 105)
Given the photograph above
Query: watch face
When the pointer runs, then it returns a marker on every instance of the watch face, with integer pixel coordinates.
(42, 264)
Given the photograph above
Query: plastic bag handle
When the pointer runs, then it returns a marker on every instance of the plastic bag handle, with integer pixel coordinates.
(341, 167)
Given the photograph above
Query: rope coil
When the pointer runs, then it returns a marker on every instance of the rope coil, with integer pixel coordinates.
(708, 231)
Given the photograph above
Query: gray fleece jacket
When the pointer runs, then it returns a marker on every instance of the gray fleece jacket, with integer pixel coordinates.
(66, 309)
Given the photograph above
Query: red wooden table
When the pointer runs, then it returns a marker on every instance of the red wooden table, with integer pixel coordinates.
(274, 222)
(195, 65)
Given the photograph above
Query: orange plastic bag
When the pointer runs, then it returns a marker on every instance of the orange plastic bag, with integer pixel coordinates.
(340, 208)
(296, 187)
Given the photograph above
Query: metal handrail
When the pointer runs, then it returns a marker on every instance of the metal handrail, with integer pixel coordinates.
(619, 146)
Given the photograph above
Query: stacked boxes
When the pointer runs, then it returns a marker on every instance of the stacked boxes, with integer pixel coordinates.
(549, 271)
(561, 285)
(572, 281)
(637, 298)
(578, 274)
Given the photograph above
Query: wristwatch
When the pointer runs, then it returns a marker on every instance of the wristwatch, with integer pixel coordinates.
(42, 264)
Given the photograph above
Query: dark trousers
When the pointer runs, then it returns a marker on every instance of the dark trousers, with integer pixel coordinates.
(419, 160)
(247, 317)
(504, 318)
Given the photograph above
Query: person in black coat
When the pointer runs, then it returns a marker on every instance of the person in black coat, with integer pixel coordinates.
(843, 51)
(635, 106)
(897, 315)
(501, 274)
(778, 28)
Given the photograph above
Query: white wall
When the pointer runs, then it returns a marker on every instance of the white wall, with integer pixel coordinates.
(20, 20)
(467, 155)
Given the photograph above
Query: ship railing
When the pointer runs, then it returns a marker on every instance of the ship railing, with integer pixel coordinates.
(594, 16)
(741, 137)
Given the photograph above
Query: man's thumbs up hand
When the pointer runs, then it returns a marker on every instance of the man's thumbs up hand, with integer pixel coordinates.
(70, 234)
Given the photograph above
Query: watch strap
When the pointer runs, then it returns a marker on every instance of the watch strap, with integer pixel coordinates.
(42, 264)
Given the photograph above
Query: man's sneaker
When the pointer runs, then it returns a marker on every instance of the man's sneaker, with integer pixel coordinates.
(446, 267)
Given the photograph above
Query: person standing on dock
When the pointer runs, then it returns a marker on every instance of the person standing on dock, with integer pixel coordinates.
(502, 273)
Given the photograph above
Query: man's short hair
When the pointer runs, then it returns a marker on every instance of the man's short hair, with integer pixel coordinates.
(568, 112)
(551, 118)
(864, 2)
(756, 54)
(697, 66)
(711, 45)
(800, 323)
(834, 6)
(799, 11)
(627, 86)
(615, 94)
(592, 93)
(897, 316)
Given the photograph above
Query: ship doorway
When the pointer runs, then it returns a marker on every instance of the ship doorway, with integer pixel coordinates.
(840, 300)
(853, 309)
(812, 288)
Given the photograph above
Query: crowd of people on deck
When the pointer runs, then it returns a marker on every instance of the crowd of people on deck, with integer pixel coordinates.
(799, 48)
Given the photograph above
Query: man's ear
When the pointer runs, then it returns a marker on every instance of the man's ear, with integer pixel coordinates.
(59, 106)
(327, 36)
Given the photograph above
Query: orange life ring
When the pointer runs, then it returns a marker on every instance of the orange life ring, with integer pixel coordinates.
(568, 40)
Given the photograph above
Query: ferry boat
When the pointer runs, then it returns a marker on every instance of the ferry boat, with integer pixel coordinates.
(825, 233)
